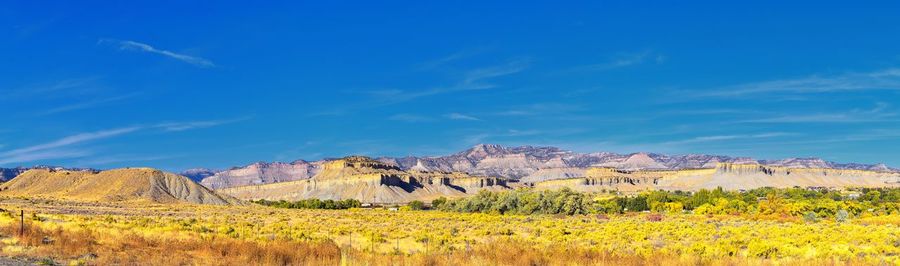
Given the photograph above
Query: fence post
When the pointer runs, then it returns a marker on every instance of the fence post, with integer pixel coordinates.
(22, 224)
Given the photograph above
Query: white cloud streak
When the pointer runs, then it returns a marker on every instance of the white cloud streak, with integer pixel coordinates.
(512, 67)
(59, 148)
(70, 146)
(73, 139)
(182, 126)
(120, 159)
(887, 79)
(132, 45)
(458, 116)
(492, 136)
(876, 114)
(548, 108)
(43, 155)
(704, 139)
(86, 105)
(625, 60)
(449, 59)
(411, 118)
(474, 80)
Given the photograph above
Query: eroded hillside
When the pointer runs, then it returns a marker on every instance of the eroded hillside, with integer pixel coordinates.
(119, 185)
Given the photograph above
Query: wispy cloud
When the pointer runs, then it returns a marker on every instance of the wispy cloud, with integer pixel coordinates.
(72, 146)
(74, 139)
(509, 68)
(86, 105)
(625, 60)
(484, 137)
(411, 118)
(876, 114)
(473, 80)
(182, 126)
(394, 96)
(704, 139)
(60, 148)
(43, 155)
(61, 88)
(132, 45)
(887, 79)
(450, 58)
(548, 108)
(458, 116)
(882, 134)
(120, 159)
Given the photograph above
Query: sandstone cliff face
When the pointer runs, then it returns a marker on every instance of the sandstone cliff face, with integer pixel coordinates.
(608, 178)
(729, 176)
(262, 173)
(546, 174)
(370, 181)
(748, 176)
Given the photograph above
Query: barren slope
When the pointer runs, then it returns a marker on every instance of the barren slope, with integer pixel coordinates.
(133, 184)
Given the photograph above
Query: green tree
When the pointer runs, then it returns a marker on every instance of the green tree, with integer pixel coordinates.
(436, 203)
(416, 205)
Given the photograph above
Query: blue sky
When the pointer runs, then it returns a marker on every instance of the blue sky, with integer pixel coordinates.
(180, 84)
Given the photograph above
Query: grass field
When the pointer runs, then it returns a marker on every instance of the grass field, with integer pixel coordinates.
(69, 233)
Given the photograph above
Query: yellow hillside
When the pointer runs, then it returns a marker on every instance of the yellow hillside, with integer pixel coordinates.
(133, 184)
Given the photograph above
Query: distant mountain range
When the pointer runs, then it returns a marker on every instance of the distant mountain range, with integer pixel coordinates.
(403, 179)
(524, 163)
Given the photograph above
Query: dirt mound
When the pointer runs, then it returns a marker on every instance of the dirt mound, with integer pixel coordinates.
(131, 185)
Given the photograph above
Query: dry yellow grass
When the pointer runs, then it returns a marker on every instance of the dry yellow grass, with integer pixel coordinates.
(103, 234)
(86, 246)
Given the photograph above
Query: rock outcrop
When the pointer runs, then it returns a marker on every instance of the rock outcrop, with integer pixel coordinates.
(262, 173)
(546, 174)
(609, 178)
(119, 185)
(370, 181)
